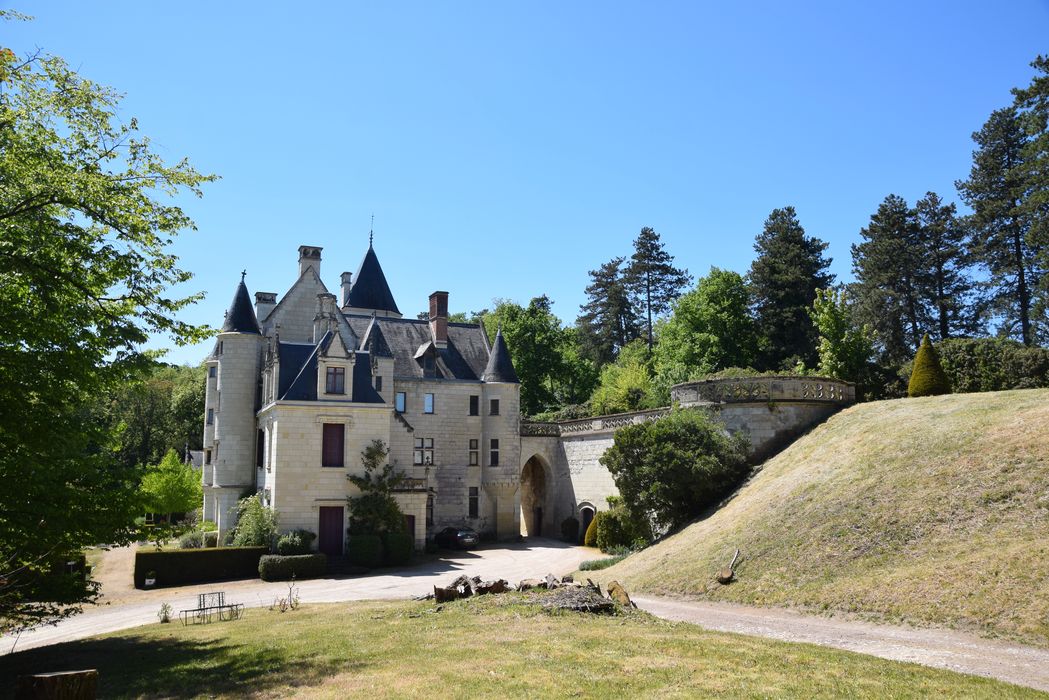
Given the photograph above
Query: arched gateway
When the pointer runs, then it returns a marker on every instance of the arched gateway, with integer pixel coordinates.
(534, 510)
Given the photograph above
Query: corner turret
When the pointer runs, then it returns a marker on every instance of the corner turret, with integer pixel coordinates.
(500, 368)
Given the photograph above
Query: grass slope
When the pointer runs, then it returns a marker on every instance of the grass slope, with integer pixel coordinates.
(932, 510)
(490, 647)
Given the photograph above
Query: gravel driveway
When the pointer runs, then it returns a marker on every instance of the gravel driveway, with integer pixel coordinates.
(130, 608)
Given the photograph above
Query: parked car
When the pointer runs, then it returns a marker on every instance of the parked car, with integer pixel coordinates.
(457, 538)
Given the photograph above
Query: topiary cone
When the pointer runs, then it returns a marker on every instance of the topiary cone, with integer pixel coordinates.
(927, 377)
(590, 537)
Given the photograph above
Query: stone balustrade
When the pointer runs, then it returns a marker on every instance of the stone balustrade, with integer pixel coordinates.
(764, 389)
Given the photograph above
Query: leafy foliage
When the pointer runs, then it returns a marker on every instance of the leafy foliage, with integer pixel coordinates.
(570, 529)
(626, 385)
(85, 275)
(845, 349)
(375, 510)
(621, 527)
(675, 467)
(927, 377)
(652, 279)
(590, 536)
(256, 524)
(365, 550)
(993, 364)
(710, 329)
(277, 567)
(784, 277)
(295, 542)
(172, 487)
(397, 548)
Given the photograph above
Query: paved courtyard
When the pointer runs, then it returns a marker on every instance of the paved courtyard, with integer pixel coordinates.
(124, 607)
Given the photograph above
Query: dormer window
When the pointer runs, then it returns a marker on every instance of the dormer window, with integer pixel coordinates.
(335, 381)
(429, 365)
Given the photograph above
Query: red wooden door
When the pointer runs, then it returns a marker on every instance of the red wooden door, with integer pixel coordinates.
(329, 531)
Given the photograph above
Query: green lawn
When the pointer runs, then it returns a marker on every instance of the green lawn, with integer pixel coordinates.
(501, 646)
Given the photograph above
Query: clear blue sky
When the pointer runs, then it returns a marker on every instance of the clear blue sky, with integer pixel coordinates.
(506, 149)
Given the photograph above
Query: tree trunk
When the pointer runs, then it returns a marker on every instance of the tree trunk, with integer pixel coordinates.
(67, 685)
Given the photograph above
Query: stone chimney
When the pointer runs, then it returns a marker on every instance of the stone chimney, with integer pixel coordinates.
(324, 321)
(439, 318)
(309, 256)
(347, 282)
(264, 303)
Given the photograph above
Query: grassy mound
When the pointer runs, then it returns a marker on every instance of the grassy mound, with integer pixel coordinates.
(931, 510)
(482, 647)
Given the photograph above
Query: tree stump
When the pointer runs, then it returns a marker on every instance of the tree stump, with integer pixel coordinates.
(64, 685)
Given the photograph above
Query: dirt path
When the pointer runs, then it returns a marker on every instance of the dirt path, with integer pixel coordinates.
(947, 649)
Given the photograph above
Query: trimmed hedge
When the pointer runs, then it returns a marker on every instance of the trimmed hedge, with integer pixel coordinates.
(927, 377)
(993, 364)
(399, 547)
(590, 538)
(364, 550)
(295, 542)
(274, 567)
(182, 566)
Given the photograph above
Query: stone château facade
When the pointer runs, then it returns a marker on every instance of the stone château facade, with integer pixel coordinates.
(297, 388)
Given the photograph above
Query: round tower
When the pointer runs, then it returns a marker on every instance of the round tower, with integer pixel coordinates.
(229, 416)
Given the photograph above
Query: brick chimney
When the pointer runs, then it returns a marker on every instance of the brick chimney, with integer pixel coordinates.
(347, 282)
(309, 256)
(264, 303)
(439, 318)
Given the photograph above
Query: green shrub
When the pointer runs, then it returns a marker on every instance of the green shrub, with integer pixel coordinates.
(295, 542)
(620, 528)
(256, 524)
(590, 538)
(274, 567)
(364, 550)
(208, 526)
(992, 364)
(211, 539)
(399, 547)
(598, 564)
(927, 377)
(181, 566)
(570, 529)
(191, 540)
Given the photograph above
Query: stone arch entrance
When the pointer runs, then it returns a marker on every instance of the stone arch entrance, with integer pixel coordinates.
(533, 497)
(586, 516)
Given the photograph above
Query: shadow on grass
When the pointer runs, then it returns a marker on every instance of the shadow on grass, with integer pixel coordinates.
(139, 666)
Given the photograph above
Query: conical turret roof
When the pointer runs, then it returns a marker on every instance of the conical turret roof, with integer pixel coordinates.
(500, 368)
(370, 289)
(241, 316)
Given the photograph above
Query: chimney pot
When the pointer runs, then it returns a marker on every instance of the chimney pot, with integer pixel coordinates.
(309, 256)
(347, 283)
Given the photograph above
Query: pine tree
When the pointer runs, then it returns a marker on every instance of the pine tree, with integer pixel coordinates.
(784, 277)
(652, 279)
(608, 320)
(888, 266)
(946, 287)
(998, 191)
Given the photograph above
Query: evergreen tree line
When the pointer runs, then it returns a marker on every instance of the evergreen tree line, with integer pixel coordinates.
(920, 269)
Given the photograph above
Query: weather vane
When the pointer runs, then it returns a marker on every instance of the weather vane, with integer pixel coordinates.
(371, 232)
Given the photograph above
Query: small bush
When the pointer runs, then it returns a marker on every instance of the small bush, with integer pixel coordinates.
(364, 550)
(295, 542)
(590, 538)
(211, 539)
(256, 524)
(181, 566)
(927, 377)
(208, 526)
(621, 529)
(399, 547)
(598, 564)
(191, 540)
(570, 529)
(274, 567)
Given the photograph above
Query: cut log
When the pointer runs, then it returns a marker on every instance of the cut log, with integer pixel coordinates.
(617, 593)
(445, 595)
(66, 685)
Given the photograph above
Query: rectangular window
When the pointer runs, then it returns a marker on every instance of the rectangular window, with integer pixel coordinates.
(332, 444)
(473, 453)
(207, 456)
(474, 497)
(475, 405)
(493, 456)
(398, 403)
(220, 347)
(428, 403)
(423, 453)
(378, 383)
(493, 407)
(260, 448)
(211, 416)
(336, 381)
(213, 371)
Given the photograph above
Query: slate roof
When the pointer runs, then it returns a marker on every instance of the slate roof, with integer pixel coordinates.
(241, 316)
(464, 357)
(298, 373)
(370, 289)
(500, 368)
